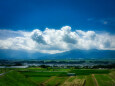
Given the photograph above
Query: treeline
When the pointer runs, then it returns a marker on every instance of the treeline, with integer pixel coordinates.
(105, 66)
(111, 66)
(99, 62)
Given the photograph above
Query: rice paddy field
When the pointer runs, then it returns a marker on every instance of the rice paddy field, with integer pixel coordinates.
(58, 77)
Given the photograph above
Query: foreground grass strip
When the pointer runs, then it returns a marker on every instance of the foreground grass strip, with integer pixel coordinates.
(104, 80)
(14, 78)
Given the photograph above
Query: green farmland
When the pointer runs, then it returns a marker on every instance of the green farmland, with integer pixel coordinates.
(57, 77)
(104, 80)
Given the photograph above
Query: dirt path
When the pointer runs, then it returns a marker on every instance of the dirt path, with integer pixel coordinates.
(5, 73)
(2, 74)
(93, 76)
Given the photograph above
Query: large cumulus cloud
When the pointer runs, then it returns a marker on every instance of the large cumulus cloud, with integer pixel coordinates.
(56, 41)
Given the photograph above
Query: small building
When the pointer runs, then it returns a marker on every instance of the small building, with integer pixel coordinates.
(71, 74)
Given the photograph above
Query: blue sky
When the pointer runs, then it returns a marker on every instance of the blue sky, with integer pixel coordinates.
(56, 26)
(97, 15)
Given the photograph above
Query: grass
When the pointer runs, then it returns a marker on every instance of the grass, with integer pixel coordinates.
(44, 74)
(56, 81)
(39, 80)
(112, 74)
(89, 71)
(89, 81)
(62, 69)
(71, 79)
(2, 70)
(43, 69)
(104, 80)
(41, 77)
(14, 78)
(80, 76)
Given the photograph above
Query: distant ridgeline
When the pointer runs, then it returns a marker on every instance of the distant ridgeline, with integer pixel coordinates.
(73, 54)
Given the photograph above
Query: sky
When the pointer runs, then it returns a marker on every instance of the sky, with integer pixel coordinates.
(56, 26)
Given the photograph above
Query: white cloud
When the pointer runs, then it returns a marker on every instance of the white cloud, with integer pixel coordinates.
(56, 41)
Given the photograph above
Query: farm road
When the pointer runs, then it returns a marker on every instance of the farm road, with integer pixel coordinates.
(93, 76)
(4, 73)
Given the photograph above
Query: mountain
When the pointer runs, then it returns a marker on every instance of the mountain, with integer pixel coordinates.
(87, 54)
(20, 54)
(73, 54)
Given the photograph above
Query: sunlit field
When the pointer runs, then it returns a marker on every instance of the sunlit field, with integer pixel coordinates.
(57, 77)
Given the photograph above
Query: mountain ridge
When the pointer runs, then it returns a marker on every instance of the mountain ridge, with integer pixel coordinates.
(73, 54)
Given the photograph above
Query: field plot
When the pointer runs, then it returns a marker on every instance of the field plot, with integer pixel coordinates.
(104, 80)
(112, 74)
(89, 71)
(39, 80)
(44, 74)
(61, 69)
(59, 77)
(14, 78)
(55, 81)
(74, 81)
(89, 81)
(37, 69)
(46, 78)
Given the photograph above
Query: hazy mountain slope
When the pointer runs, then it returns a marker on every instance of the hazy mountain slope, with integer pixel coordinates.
(19, 54)
(73, 54)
